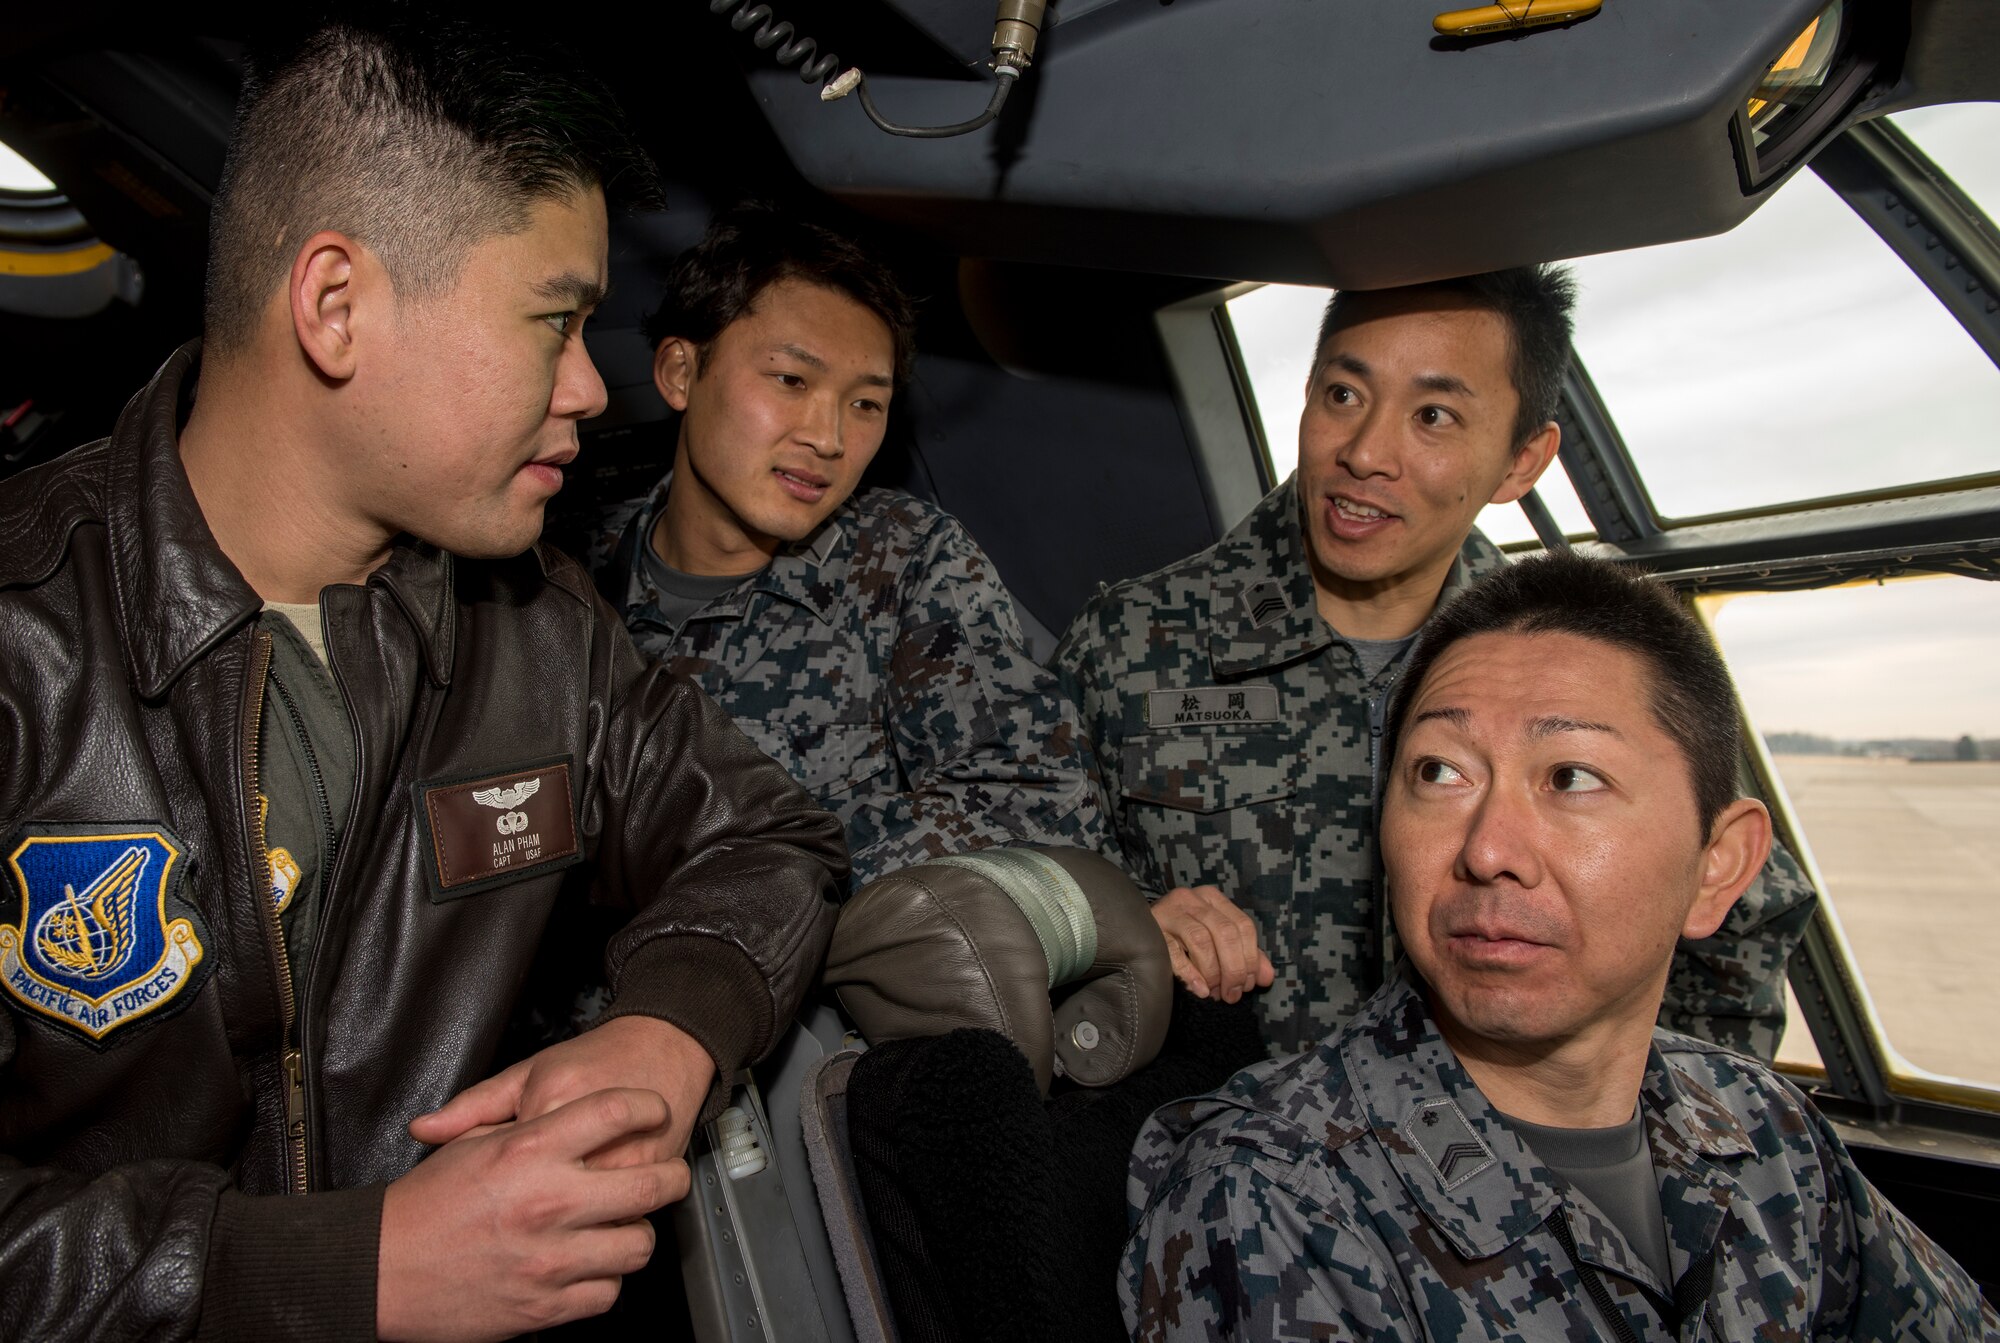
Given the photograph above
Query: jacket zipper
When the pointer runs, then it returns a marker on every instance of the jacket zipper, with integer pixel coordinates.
(1383, 926)
(1375, 726)
(260, 878)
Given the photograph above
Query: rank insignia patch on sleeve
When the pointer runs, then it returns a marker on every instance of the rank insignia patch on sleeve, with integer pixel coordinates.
(1440, 1130)
(1265, 601)
(100, 939)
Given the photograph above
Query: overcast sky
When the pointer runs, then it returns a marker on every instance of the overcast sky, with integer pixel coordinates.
(1792, 357)
(1912, 658)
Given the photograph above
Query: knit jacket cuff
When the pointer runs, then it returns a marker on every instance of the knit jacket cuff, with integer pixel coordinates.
(707, 987)
(293, 1267)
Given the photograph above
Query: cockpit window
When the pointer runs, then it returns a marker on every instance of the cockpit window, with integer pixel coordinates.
(17, 174)
(1795, 357)
(51, 263)
(1959, 138)
(1879, 705)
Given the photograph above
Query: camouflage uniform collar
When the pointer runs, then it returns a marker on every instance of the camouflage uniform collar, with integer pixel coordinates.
(1477, 558)
(1687, 1109)
(801, 573)
(1471, 1174)
(1464, 1168)
(793, 575)
(1263, 608)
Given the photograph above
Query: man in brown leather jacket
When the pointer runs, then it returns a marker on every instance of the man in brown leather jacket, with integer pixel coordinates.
(304, 744)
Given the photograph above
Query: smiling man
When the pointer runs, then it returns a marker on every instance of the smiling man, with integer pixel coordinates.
(862, 639)
(308, 744)
(1501, 1144)
(1235, 698)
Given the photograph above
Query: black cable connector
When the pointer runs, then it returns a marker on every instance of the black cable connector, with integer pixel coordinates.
(1003, 83)
(790, 47)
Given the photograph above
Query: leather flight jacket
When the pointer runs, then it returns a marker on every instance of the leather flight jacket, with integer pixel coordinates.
(167, 1074)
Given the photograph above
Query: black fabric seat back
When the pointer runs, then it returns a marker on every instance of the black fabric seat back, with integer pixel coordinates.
(996, 1215)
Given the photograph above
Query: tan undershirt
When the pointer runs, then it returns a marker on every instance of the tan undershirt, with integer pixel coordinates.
(305, 619)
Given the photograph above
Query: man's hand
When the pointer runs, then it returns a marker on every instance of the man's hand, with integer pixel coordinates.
(512, 1230)
(623, 1052)
(1213, 943)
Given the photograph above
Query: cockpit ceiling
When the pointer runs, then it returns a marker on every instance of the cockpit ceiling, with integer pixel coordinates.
(1311, 141)
(1330, 141)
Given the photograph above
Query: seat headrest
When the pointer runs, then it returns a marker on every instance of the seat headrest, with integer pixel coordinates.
(988, 939)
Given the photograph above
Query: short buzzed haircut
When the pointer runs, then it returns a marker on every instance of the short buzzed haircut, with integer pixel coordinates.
(1534, 301)
(753, 246)
(1692, 698)
(417, 139)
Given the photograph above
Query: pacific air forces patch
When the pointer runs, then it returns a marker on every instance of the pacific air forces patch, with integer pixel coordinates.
(101, 937)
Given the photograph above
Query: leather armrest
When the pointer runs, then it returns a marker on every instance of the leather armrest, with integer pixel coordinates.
(1056, 949)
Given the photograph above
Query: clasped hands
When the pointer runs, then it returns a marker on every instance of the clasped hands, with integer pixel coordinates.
(1212, 943)
(533, 1207)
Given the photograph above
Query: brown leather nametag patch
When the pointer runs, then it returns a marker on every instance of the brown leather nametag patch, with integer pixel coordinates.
(498, 827)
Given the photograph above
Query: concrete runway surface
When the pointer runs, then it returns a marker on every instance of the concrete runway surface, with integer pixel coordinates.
(1910, 856)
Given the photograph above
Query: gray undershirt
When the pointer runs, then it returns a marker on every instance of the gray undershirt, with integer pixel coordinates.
(1375, 654)
(682, 594)
(1613, 1168)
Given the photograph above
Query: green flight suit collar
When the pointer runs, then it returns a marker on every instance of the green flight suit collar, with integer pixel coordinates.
(1483, 1188)
(1263, 608)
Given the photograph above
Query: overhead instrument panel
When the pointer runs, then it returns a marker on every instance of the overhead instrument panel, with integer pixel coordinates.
(1337, 141)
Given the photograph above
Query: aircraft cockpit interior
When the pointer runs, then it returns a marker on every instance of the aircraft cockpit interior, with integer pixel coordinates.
(1120, 222)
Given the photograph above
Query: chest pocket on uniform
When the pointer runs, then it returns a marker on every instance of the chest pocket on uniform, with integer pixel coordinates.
(1204, 772)
(1206, 805)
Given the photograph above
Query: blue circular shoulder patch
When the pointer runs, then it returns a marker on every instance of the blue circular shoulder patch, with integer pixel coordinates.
(100, 942)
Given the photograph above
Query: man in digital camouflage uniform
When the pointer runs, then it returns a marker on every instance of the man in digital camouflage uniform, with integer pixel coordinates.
(863, 640)
(1234, 699)
(1501, 1145)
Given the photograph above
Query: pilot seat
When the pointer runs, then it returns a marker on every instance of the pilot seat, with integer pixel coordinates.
(937, 1150)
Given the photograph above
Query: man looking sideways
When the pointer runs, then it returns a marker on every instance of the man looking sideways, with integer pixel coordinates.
(1235, 698)
(1501, 1144)
(862, 639)
(308, 743)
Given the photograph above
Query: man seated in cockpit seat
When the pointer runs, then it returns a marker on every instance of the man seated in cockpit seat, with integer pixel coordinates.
(863, 640)
(1234, 698)
(305, 743)
(1502, 1144)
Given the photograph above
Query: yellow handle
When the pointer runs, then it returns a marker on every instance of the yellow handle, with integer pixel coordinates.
(1519, 14)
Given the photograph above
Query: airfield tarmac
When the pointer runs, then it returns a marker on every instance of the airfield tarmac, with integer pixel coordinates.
(1910, 854)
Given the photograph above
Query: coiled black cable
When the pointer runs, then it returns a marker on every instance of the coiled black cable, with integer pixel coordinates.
(793, 47)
